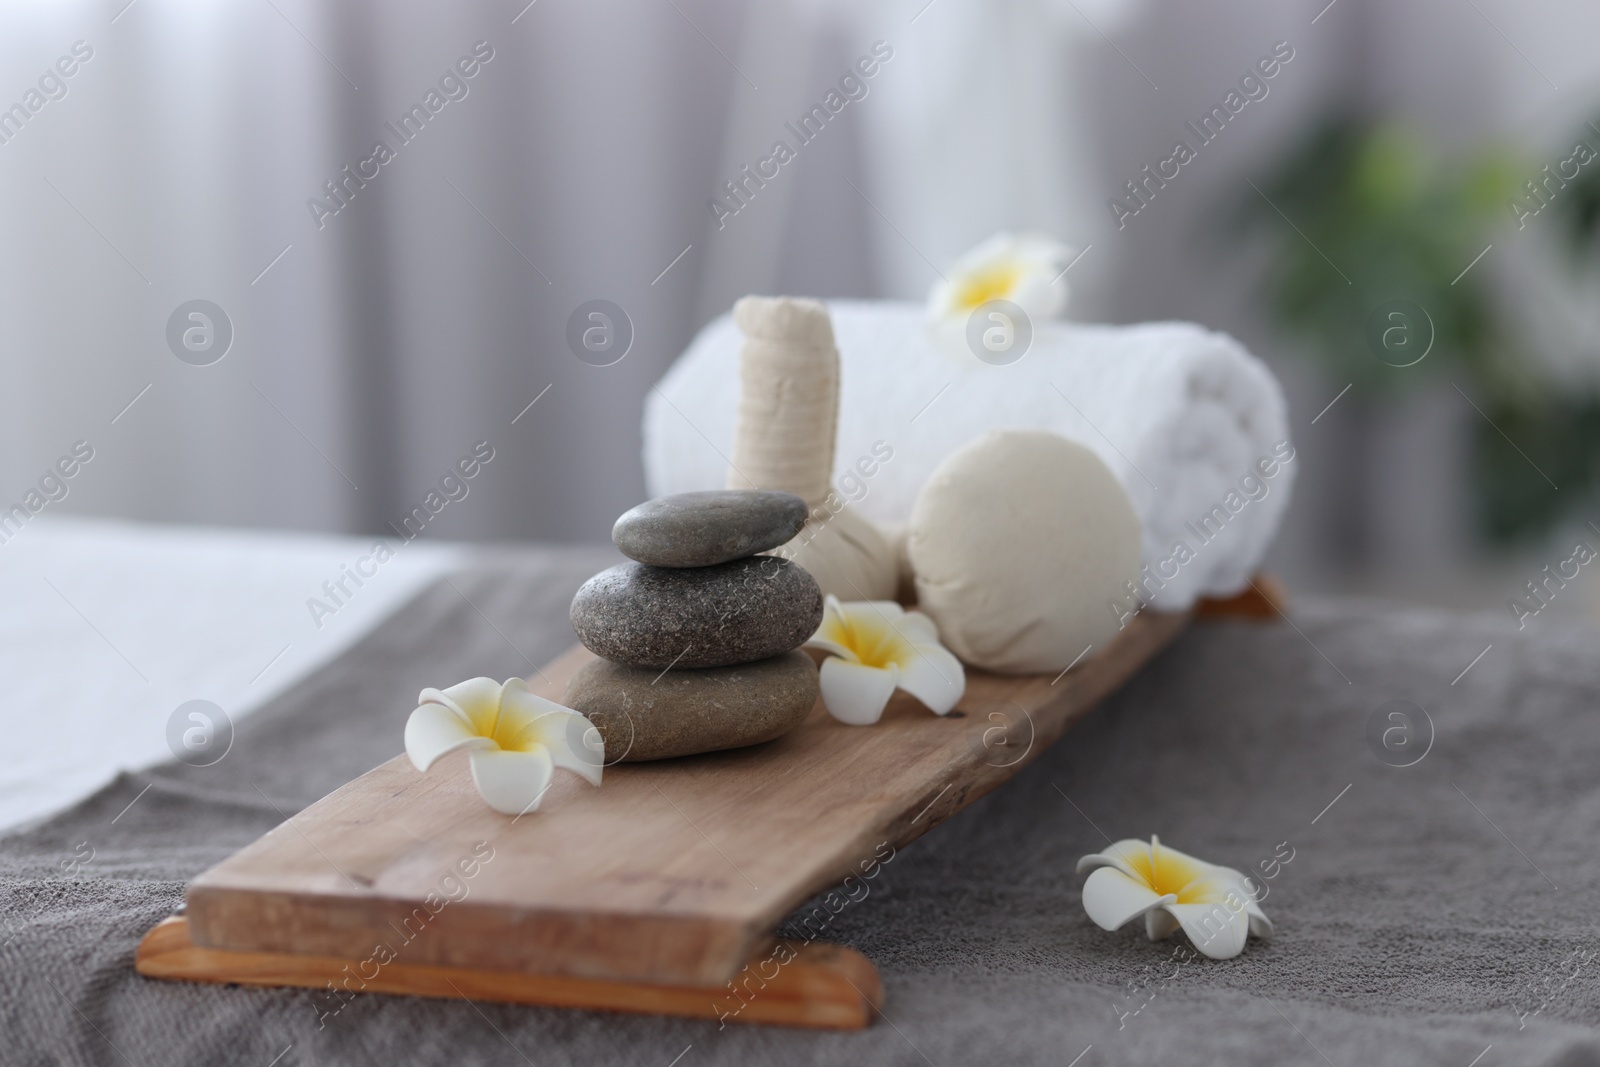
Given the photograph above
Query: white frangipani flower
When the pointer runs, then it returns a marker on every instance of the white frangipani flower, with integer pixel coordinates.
(1024, 269)
(879, 647)
(515, 739)
(1214, 905)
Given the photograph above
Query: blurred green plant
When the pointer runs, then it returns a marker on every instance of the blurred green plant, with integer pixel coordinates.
(1578, 208)
(1376, 215)
(1557, 433)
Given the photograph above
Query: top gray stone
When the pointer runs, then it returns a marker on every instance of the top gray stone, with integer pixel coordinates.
(707, 528)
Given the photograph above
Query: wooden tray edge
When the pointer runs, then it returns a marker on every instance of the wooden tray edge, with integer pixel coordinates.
(816, 985)
(1266, 597)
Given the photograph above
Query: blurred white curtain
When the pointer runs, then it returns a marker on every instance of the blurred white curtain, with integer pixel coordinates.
(989, 126)
(421, 319)
(980, 122)
(373, 352)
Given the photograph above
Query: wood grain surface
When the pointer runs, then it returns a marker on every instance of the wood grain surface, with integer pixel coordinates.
(674, 872)
(823, 985)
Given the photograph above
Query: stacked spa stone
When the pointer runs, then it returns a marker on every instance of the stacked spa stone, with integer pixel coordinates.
(699, 637)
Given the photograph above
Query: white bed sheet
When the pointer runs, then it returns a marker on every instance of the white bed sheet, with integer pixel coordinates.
(106, 627)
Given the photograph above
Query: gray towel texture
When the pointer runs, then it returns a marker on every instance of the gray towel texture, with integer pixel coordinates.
(1436, 913)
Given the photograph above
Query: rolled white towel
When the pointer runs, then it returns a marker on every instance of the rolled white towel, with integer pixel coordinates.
(1193, 426)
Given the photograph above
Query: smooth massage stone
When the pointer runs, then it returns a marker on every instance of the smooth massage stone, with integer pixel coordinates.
(701, 529)
(647, 714)
(735, 612)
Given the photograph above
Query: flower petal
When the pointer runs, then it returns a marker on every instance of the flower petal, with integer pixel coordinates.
(1036, 295)
(1157, 848)
(869, 609)
(833, 632)
(515, 691)
(934, 676)
(1260, 925)
(519, 709)
(1217, 930)
(573, 742)
(1112, 898)
(433, 730)
(529, 721)
(1122, 855)
(1159, 924)
(1022, 268)
(918, 628)
(856, 694)
(512, 782)
(874, 632)
(476, 699)
(842, 651)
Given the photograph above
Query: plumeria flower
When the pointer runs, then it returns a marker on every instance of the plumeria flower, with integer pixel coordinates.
(515, 739)
(1024, 269)
(879, 647)
(1214, 905)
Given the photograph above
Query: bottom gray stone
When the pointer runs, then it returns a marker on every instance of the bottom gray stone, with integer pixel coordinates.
(649, 714)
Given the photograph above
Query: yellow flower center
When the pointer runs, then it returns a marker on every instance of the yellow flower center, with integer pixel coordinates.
(874, 640)
(992, 281)
(502, 732)
(510, 733)
(1164, 872)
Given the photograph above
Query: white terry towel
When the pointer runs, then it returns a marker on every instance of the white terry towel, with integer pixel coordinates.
(1188, 421)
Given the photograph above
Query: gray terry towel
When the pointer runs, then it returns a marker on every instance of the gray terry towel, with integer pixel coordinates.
(1429, 913)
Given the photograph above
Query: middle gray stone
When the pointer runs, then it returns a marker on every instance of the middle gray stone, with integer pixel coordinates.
(735, 612)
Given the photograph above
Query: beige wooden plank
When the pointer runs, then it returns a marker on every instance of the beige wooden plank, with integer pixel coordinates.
(674, 872)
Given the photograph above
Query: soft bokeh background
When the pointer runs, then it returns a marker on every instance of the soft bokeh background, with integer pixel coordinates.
(373, 352)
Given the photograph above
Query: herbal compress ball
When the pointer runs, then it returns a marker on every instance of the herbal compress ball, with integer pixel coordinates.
(1022, 543)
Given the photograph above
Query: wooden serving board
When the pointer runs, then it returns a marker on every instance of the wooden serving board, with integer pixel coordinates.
(672, 872)
(665, 882)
